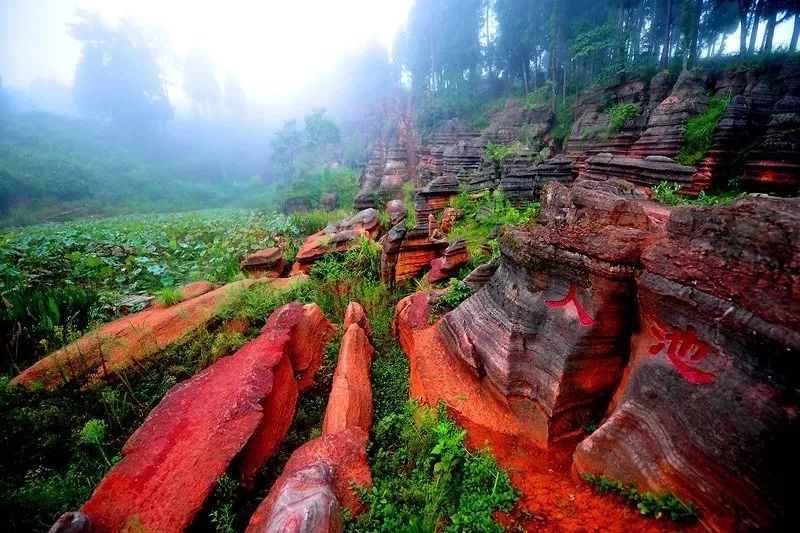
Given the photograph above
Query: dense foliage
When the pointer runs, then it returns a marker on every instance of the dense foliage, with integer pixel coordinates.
(57, 280)
(425, 479)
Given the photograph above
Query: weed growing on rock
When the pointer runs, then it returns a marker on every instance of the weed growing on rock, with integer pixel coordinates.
(666, 504)
(619, 115)
(449, 300)
(498, 153)
(699, 132)
(168, 296)
(669, 194)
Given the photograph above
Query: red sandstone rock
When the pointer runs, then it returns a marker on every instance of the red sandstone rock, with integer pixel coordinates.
(448, 217)
(195, 289)
(549, 330)
(664, 133)
(318, 479)
(127, 341)
(455, 256)
(355, 315)
(708, 409)
(506, 125)
(350, 401)
(267, 263)
(396, 210)
(337, 238)
(648, 171)
(170, 464)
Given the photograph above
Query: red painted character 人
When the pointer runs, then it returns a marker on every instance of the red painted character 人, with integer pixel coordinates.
(682, 348)
(572, 298)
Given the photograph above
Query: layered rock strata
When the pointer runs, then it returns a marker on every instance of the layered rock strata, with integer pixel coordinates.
(453, 258)
(267, 263)
(648, 171)
(550, 329)
(708, 409)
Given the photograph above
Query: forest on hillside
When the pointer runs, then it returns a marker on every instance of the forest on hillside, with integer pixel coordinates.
(107, 144)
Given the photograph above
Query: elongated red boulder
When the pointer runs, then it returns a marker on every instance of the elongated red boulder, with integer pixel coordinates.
(128, 340)
(303, 332)
(170, 464)
(317, 481)
(350, 401)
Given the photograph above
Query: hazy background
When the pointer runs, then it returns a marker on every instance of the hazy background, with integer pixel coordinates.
(275, 49)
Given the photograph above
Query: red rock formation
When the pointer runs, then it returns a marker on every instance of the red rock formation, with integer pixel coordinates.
(415, 253)
(514, 121)
(317, 480)
(774, 162)
(550, 328)
(195, 289)
(308, 333)
(127, 341)
(267, 263)
(355, 315)
(321, 475)
(350, 401)
(481, 275)
(648, 171)
(522, 182)
(664, 133)
(453, 258)
(170, 464)
(708, 408)
(337, 238)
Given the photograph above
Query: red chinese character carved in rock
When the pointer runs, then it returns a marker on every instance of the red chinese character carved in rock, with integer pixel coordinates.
(682, 348)
(572, 298)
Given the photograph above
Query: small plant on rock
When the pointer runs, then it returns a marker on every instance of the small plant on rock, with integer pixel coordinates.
(666, 504)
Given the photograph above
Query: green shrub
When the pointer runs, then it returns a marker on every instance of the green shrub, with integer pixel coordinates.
(498, 153)
(619, 115)
(539, 97)
(666, 504)
(699, 132)
(562, 121)
(459, 291)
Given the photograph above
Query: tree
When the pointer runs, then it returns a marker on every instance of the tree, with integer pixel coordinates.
(118, 75)
(200, 81)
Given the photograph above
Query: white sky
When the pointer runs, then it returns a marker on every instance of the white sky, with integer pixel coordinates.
(272, 46)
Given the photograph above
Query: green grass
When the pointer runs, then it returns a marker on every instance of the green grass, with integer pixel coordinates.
(699, 132)
(498, 153)
(168, 296)
(669, 194)
(664, 505)
(425, 479)
(481, 214)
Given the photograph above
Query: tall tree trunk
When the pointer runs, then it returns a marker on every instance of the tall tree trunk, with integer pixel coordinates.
(795, 32)
(769, 34)
(744, 11)
(754, 26)
(698, 11)
(667, 30)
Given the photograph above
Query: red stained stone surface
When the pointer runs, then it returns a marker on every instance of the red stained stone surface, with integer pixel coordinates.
(350, 401)
(552, 499)
(317, 480)
(128, 340)
(455, 256)
(708, 407)
(170, 464)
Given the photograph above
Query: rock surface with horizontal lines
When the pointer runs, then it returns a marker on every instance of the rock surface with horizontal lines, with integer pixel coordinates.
(708, 409)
